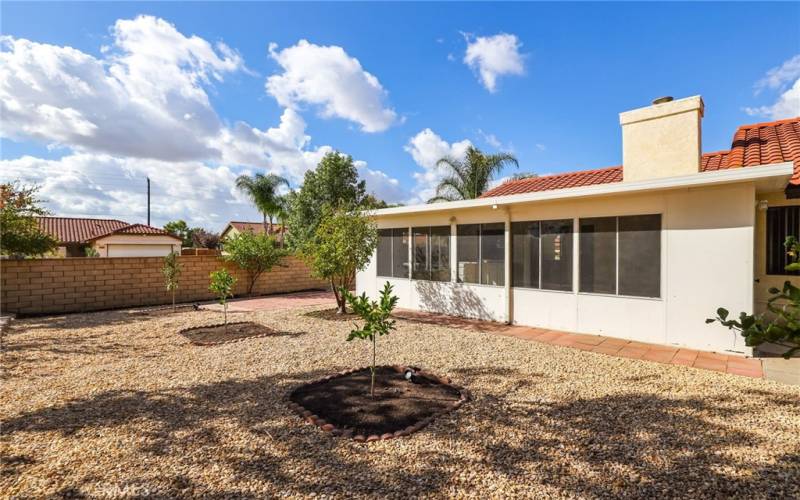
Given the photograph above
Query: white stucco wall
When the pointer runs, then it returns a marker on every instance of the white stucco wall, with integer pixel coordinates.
(136, 246)
(706, 262)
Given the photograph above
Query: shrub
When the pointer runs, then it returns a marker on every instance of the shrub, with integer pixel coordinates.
(376, 316)
(782, 328)
(21, 234)
(222, 283)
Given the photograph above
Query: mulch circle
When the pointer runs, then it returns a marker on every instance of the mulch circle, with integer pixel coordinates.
(210, 335)
(164, 310)
(341, 405)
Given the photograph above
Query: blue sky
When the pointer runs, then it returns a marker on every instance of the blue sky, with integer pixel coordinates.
(581, 64)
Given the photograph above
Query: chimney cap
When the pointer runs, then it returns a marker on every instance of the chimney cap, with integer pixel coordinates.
(662, 100)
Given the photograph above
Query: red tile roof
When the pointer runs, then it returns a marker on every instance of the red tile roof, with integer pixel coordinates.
(137, 229)
(74, 230)
(253, 227)
(753, 145)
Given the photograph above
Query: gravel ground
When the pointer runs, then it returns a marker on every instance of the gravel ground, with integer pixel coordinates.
(118, 405)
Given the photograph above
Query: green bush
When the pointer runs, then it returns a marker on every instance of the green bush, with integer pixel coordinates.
(172, 273)
(222, 283)
(254, 253)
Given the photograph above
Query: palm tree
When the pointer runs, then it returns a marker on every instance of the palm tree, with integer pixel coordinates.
(281, 214)
(469, 178)
(263, 191)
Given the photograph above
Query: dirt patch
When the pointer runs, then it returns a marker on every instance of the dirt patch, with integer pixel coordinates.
(399, 405)
(220, 334)
(332, 315)
(159, 311)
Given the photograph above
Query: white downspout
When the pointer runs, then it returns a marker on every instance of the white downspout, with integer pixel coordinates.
(507, 268)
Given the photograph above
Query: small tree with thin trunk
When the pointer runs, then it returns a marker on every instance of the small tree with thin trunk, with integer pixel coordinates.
(376, 316)
(343, 245)
(254, 253)
(222, 283)
(172, 273)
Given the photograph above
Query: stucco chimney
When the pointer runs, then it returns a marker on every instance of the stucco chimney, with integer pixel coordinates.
(662, 140)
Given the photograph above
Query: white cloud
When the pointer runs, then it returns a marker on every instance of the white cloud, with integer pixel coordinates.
(541, 147)
(494, 56)
(786, 80)
(142, 110)
(381, 185)
(426, 148)
(326, 76)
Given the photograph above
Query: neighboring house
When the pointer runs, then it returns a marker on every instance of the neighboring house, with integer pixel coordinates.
(109, 237)
(645, 251)
(235, 227)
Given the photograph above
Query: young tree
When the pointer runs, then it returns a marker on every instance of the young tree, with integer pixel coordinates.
(470, 178)
(343, 244)
(180, 229)
(376, 316)
(172, 273)
(255, 253)
(263, 192)
(333, 185)
(222, 283)
(20, 233)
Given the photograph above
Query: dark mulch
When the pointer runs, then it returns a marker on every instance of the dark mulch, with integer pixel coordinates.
(164, 310)
(219, 334)
(332, 315)
(345, 401)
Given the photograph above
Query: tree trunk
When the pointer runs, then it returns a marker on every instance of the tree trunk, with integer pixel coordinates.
(173, 300)
(225, 315)
(341, 304)
(266, 227)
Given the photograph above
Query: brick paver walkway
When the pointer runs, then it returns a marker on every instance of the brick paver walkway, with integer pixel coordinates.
(272, 302)
(737, 365)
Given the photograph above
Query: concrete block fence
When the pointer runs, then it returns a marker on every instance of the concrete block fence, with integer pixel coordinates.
(50, 286)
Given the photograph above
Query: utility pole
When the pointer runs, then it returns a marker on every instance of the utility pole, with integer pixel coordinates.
(148, 201)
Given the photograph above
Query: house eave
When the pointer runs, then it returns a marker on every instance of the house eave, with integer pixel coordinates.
(771, 177)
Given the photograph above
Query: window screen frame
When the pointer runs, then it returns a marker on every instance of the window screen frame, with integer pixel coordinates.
(427, 232)
(479, 240)
(617, 218)
(775, 258)
(395, 233)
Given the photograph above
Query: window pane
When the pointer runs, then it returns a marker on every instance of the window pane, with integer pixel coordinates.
(640, 255)
(400, 253)
(420, 270)
(493, 244)
(467, 253)
(525, 254)
(384, 252)
(440, 253)
(781, 222)
(556, 241)
(598, 255)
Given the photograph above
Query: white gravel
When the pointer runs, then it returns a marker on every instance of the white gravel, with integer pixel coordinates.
(117, 405)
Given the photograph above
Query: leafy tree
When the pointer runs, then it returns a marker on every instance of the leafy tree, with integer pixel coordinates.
(255, 253)
(469, 178)
(333, 185)
(204, 239)
(172, 273)
(376, 316)
(343, 244)
(21, 234)
(782, 327)
(180, 229)
(263, 192)
(222, 283)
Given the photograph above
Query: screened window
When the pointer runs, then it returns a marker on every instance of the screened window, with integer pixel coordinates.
(781, 222)
(598, 255)
(393, 252)
(525, 254)
(481, 253)
(556, 255)
(432, 253)
(621, 255)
